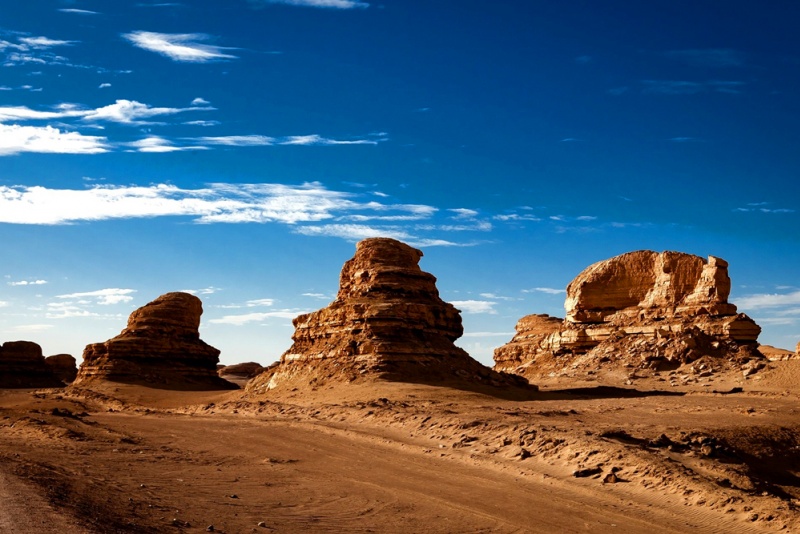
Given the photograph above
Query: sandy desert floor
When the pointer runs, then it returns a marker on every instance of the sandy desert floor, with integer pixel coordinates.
(714, 454)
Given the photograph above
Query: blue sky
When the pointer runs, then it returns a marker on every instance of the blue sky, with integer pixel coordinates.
(238, 149)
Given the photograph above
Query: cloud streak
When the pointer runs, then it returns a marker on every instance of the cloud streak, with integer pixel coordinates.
(327, 4)
(181, 47)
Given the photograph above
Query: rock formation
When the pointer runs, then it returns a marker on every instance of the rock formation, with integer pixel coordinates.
(797, 349)
(23, 366)
(161, 346)
(387, 321)
(640, 309)
(63, 366)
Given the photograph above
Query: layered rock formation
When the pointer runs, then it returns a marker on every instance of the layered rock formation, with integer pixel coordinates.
(63, 366)
(387, 320)
(22, 365)
(638, 309)
(161, 346)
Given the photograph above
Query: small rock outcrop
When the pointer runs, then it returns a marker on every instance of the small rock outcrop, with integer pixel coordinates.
(161, 346)
(22, 365)
(797, 349)
(387, 321)
(642, 309)
(63, 366)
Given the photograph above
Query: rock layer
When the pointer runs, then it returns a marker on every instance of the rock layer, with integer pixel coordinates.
(160, 346)
(23, 366)
(387, 320)
(63, 366)
(642, 308)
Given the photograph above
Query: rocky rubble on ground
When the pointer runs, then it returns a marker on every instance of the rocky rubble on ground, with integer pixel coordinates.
(387, 320)
(63, 366)
(160, 346)
(639, 311)
(22, 365)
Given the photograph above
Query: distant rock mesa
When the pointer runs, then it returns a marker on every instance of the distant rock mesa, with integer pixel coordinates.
(641, 309)
(387, 321)
(63, 366)
(161, 346)
(22, 365)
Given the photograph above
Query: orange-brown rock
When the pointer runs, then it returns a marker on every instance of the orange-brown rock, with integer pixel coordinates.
(797, 349)
(161, 346)
(63, 366)
(22, 365)
(387, 321)
(642, 308)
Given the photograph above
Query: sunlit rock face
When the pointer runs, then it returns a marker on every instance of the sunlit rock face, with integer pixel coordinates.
(63, 366)
(22, 365)
(644, 307)
(387, 320)
(160, 346)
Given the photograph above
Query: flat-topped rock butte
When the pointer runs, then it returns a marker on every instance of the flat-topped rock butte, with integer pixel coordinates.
(388, 321)
(22, 365)
(160, 346)
(642, 309)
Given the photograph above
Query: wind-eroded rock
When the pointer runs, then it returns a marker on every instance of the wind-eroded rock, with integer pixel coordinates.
(387, 320)
(63, 366)
(161, 346)
(23, 366)
(639, 309)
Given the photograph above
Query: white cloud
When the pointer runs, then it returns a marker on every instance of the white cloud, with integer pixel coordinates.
(768, 300)
(259, 302)
(104, 297)
(43, 42)
(132, 112)
(104, 86)
(28, 283)
(16, 139)
(236, 140)
(330, 4)
(317, 140)
(238, 320)
(158, 144)
(228, 203)
(475, 306)
(184, 47)
(320, 296)
(489, 334)
(200, 102)
(79, 11)
(4, 304)
(548, 290)
(463, 213)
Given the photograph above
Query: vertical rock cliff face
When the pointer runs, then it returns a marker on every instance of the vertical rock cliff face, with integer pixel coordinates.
(387, 320)
(161, 346)
(642, 308)
(23, 366)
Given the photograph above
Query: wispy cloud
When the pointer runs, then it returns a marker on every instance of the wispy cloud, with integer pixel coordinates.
(40, 43)
(182, 47)
(548, 290)
(768, 300)
(708, 57)
(128, 112)
(28, 283)
(682, 87)
(475, 306)
(103, 297)
(16, 139)
(256, 317)
(329, 4)
(79, 11)
(762, 207)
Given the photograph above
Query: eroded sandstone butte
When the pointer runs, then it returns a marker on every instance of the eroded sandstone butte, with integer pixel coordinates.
(642, 309)
(387, 321)
(63, 366)
(22, 365)
(160, 346)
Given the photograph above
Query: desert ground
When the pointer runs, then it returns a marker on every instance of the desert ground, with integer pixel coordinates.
(707, 454)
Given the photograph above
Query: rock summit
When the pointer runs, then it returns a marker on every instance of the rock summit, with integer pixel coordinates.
(161, 346)
(642, 309)
(387, 321)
